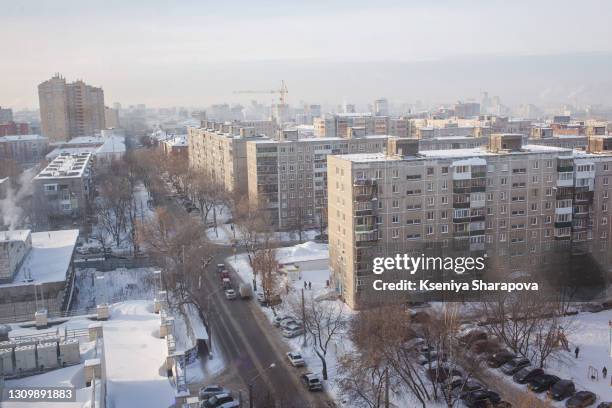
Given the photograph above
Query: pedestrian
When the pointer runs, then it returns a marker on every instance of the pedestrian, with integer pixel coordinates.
(310, 285)
(577, 351)
(604, 372)
(305, 285)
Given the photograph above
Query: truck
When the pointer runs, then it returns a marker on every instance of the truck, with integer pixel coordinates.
(245, 291)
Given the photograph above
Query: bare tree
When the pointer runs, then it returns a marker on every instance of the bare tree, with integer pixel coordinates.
(324, 322)
(266, 266)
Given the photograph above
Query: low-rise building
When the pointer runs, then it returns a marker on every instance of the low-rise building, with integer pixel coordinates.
(176, 146)
(63, 190)
(37, 273)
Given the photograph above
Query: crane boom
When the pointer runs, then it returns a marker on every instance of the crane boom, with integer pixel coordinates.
(283, 91)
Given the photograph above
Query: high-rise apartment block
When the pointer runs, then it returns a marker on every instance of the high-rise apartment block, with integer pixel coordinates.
(6, 115)
(288, 177)
(218, 150)
(516, 203)
(69, 110)
(340, 125)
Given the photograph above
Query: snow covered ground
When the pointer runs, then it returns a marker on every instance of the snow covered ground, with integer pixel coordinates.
(94, 287)
(223, 235)
(135, 356)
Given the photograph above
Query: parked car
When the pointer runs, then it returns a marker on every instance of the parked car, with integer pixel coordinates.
(465, 387)
(261, 298)
(312, 382)
(472, 336)
(295, 359)
(514, 365)
(292, 331)
(561, 390)
(525, 375)
(230, 294)
(481, 398)
(280, 318)
(220, 267)
(231, 404)
(211, 390)
(605, 405)
(542, 382)
(441, 373)
(581, 399)
(226, 283)
(217, 400)
(500, 358)
(289, 322)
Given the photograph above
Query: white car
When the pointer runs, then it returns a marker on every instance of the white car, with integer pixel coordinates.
(278, 320)
(295, 359)
(293, 330)
(289, 322)
(230, 294)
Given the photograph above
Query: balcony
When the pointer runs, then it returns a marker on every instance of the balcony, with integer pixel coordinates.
(479, 174)
(366, 237)
(461, 205)
(461, 220)
(563, 224)
(364, 182)
(360, 229)
(565, 169)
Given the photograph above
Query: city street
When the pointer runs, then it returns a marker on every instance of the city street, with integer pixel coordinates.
(250, 344)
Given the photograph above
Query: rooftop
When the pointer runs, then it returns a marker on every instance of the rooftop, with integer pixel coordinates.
(49, 258)
(13, 138)
(71, 165)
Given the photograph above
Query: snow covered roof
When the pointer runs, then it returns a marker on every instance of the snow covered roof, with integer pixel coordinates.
(49, 258)
(177, 141)
(308, 251)
(12, 138)
(69, 165)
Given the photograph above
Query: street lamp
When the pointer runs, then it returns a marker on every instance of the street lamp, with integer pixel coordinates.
(271, 366)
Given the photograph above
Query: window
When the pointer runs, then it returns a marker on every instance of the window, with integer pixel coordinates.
(548, 191)
(534, 221)
(444, 228)
(489, 196)
(502, 195)
(395, 219)
(444, 170)
(395, 203)
(429, 186)
(395, 233)
(444, 184)
(548, 219)
(503, 181)
(502, 237)
(395, 173)
(394, 188)
(430, 171)
(606, 167)
(549, 164)
(536, 164)
(605, 181)
(443, 214)
(430, 215)
(430, 201)
(430, 230)
(444, 199)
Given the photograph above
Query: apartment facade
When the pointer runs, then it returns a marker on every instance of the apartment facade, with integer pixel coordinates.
(69, 110)
(518, 204)
(340, 124)
(288, 178)
(64, 190)
(26, 149)
(218, 150)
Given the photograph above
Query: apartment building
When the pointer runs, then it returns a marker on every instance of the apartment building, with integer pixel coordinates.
(68, 110)
(14, 128)
(26, 149)
(218, 150)
(6, 115)
(339, 125)
(288, 177)
(63, 190)
(517, 203)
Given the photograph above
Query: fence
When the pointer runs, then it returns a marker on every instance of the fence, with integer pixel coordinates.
(105, 265)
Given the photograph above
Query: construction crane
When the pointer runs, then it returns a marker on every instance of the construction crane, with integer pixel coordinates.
(282, 91)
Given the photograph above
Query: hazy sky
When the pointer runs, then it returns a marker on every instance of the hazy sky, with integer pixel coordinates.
(197, 52)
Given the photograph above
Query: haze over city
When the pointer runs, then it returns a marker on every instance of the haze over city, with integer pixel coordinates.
(525, 52)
